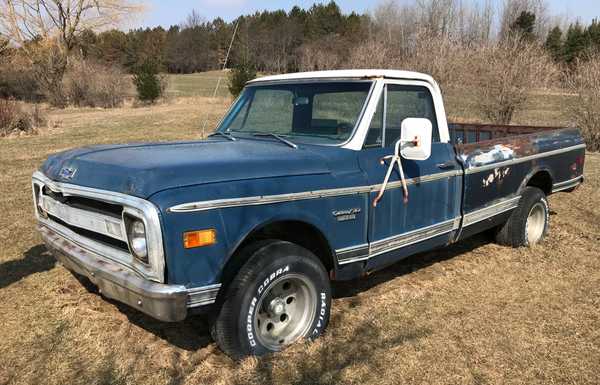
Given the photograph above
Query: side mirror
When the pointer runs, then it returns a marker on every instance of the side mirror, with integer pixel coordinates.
(415, 140)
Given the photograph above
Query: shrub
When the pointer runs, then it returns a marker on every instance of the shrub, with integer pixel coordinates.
(94, 85)
(503, 75)
(149, 85)
(585, 112)
(17, 80)
(239, 76)
(15, 118)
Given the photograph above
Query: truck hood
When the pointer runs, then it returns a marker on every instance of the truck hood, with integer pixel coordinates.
(144, 169)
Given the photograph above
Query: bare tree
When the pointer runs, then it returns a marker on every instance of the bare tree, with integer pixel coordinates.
(193, 19)
(372, 54)
(475, 22)
(25, 20)
(47, 30)
(511, 10)
(503, 76)
(3, 46)
(438, 17)
(585, 112)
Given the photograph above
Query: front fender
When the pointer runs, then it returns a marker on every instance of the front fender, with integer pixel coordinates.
(204, 266)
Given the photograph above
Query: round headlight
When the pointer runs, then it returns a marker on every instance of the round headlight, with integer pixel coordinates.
(136, 234)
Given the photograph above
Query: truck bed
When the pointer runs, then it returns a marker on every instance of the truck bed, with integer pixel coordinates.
(500, 161)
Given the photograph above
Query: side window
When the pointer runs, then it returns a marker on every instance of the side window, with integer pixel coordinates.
(375, 133)
(407, 102)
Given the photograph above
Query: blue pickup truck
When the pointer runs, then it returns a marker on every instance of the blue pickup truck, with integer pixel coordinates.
(309, 178)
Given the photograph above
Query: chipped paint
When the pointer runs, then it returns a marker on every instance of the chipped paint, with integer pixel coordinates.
(496, 176)
(498, 153)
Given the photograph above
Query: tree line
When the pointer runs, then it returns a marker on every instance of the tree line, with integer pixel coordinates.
(73, 51)
(317, 37)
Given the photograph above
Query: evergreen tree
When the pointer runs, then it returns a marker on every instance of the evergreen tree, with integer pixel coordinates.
(147, 82)
(575, 43)
(239, 76)
(592, 33)
(554, 43)
(524, 26)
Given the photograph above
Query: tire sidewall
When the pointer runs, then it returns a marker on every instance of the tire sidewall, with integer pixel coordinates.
(269, 264)
(533, 197)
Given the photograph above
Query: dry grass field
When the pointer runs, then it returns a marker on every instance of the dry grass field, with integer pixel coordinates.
(475, 313)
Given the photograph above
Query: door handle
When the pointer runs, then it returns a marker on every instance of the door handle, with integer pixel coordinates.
(446, 165)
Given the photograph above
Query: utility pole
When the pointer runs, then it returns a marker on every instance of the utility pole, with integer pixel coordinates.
(222, 70)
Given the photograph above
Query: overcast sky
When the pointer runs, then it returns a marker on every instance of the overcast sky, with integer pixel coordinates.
(166, 13)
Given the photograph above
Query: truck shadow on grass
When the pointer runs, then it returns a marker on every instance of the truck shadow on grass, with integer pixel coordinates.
(35, 260)
(408, 265)
(193, 333)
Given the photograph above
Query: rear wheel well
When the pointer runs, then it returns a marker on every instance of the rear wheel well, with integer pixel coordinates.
(300, 233)
(541, 180)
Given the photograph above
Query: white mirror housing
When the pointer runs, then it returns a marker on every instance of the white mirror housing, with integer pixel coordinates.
(415, 139)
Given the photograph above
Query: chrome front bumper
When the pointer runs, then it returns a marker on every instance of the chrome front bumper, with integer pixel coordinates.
(164, 302)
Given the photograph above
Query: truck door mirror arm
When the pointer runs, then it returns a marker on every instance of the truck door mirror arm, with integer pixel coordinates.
(414, 144)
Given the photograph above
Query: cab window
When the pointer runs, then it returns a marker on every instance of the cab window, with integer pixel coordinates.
(401, 102)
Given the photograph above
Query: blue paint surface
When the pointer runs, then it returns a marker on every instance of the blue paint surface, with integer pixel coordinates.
(170, 174)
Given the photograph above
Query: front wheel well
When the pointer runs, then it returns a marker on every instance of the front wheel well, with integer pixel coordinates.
(298, 232)
(542, 180)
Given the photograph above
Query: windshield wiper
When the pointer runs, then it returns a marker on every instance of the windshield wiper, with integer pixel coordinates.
(223, 134)
(276, 136)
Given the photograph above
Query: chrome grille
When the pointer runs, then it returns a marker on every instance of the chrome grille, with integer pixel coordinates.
(93, 219)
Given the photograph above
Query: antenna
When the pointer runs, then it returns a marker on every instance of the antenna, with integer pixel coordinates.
(222, 70)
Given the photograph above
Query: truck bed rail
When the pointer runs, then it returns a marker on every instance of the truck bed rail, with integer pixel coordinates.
(466, 133)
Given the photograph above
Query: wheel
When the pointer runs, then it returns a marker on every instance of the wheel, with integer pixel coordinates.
(528, 223)
(279, 296)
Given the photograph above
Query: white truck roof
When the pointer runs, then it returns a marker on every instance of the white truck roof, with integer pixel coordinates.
(358, 74)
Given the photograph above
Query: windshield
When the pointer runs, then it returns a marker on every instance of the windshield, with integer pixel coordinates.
(316, 112)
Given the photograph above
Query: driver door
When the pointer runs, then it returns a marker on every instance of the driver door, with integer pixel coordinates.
(396, 228)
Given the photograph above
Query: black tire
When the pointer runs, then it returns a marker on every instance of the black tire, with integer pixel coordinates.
(515, 231)
(234, 327)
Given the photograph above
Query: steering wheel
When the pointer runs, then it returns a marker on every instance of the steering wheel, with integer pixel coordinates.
(344, 128)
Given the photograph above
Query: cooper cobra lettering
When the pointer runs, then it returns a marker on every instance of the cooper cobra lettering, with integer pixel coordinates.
(252, 309)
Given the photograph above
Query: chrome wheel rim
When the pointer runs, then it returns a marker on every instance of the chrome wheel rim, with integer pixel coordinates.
(536, 223)
(285, 311)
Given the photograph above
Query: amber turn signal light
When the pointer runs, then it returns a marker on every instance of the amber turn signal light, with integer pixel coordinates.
(199, 238)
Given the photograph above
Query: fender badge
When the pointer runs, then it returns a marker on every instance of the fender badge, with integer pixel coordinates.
(67, 172)
(346, 215)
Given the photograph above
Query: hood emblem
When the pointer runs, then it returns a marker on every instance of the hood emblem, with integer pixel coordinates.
(67, 172)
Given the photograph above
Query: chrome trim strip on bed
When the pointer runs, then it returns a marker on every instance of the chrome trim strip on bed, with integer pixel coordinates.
(490, 211)
(141, 208)
(476, 169)
(568, 184)
(205, 295)
(305, 195)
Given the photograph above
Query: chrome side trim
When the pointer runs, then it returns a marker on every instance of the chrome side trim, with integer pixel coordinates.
(406, 239)
(490, 211)
(568, 184)
(141, 208)
(361, 252)
(201, 296)
(352, 254)
(476, 169)
(364, 252)
(305, 195)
